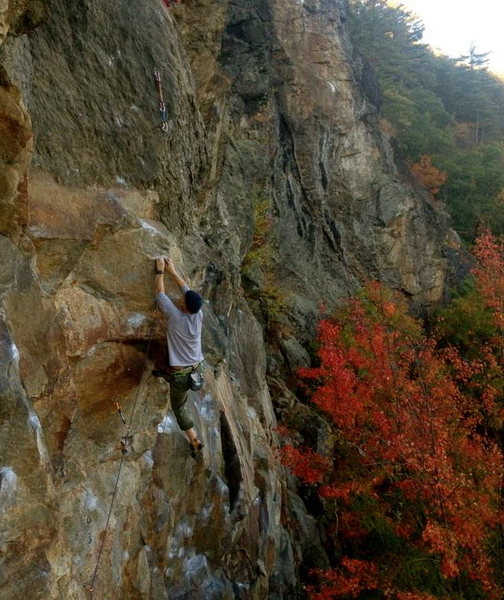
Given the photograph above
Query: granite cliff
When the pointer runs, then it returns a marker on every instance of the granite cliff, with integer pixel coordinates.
(272, 118)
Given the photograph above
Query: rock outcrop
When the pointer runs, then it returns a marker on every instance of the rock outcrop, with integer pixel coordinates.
(270, 109)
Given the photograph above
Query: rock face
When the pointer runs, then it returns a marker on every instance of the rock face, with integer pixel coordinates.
(273, 189)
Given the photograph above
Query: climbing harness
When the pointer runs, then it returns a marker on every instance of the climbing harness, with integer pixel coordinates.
(125, 443)
(162, 105)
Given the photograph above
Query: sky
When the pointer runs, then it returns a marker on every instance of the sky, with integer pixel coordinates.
(451, 26)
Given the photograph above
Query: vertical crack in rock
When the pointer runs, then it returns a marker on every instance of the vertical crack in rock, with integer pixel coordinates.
(232, 470)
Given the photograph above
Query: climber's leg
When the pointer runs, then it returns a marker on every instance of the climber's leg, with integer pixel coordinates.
(178, 399)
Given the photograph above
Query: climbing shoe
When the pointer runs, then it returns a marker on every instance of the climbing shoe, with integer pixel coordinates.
(196, 448)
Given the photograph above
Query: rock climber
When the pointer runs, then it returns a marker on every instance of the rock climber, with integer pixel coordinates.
(183, 334)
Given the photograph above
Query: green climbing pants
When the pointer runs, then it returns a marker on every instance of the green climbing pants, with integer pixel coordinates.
(178, 395)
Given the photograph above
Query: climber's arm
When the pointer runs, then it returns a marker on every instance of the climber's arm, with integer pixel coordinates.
(158, 281)
(164, 303)
(170, 268)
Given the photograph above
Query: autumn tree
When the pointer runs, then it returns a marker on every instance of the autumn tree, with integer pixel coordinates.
(415, 482)
(428, 175)
(489, 275)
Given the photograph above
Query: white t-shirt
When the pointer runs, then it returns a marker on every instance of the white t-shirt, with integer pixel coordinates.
(183, 333)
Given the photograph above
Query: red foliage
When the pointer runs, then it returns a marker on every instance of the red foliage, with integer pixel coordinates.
(354, 577)
(305, 463)
(411, 438)
(414, 596)
(489, 273)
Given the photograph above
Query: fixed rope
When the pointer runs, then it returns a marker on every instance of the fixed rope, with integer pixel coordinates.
(90, 587)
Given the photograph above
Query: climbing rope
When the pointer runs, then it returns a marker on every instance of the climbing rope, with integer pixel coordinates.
(125, 441)
(162, 105)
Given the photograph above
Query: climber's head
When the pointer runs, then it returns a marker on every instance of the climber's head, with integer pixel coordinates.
(192, 301)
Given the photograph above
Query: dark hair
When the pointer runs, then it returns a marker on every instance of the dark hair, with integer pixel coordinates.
(193, 301)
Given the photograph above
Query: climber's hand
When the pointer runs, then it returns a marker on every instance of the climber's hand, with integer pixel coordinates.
(170, 267)
(160, 264)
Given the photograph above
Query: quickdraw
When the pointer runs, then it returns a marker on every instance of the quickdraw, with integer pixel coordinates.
(119, 410)
(162, 106)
